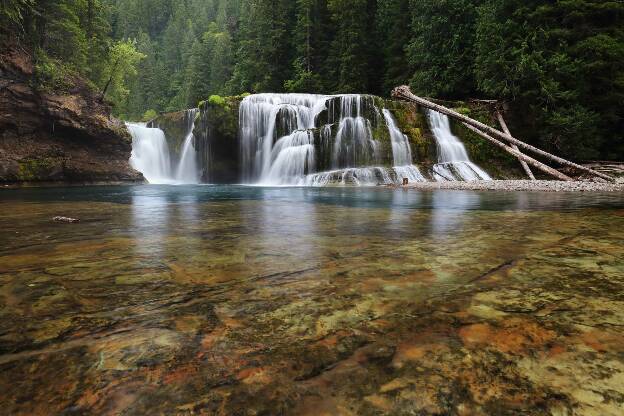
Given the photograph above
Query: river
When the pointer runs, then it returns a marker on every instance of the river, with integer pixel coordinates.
(259, 300)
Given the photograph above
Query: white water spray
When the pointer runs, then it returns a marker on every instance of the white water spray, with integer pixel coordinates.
(151, 155)
(187, 171)
(281, 136)
(453, 161)
(401, 152)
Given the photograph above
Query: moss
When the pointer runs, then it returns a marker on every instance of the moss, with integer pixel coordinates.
(382, 135)
(414, 125)
(149, 115)
(495, 161)
(174, 126)
(216, 132)
(217, 100)
(36, 169)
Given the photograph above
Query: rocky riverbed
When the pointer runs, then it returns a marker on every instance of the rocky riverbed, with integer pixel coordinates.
(522, 185)
(319, 302)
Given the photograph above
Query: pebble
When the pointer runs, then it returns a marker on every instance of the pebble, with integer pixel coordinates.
(521, 185)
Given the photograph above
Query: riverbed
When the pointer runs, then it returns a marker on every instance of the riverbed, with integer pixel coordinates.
(241, 300)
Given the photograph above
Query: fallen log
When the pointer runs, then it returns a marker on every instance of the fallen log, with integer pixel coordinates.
(502, 123)
(521, 156)
(403, 92)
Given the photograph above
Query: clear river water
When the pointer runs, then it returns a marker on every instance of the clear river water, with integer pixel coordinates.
(310, 301)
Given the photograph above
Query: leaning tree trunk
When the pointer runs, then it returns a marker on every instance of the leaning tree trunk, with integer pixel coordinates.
(521, 156)
(526, 167)
(405, 93)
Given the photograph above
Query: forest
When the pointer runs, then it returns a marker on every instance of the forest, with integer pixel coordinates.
(558, 65)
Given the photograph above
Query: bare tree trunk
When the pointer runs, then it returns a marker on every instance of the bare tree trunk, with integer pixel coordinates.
(405, 93)
(526, 167)
(110, 79)
(521, 156)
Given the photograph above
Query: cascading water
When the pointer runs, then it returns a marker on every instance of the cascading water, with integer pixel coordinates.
(286, 139)
(453, 161)
(151, 155)
(259, 129)
(187, 171)
(297, 139)
(401, 152)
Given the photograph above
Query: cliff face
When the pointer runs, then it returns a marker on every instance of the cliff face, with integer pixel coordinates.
(48, 137)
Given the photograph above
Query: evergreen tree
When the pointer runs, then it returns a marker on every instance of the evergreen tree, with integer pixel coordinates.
(311, 39)
(441, 50)
(561, 64)
(349, 63)
(264, 55)
(393, 18)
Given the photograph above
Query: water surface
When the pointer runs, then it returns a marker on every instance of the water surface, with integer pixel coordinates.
(244, 300)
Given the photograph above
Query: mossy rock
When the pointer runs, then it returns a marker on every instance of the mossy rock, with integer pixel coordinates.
(413, 123)
(32, 170)
(216, 135)
(498, 163)
(175, 127)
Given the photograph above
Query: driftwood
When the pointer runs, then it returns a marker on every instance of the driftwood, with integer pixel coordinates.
(526, 167)
(521, 156)
(405, 93)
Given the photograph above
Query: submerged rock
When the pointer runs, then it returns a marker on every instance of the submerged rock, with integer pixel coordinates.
(66, 219)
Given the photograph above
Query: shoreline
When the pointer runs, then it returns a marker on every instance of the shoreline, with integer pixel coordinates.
(517, 186)
(494, 186)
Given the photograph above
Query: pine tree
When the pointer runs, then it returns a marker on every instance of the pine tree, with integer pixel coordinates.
(441, 50)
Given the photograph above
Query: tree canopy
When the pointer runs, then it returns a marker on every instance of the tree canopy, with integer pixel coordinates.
(558, 64)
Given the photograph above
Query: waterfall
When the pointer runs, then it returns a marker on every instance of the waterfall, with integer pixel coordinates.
(401, 151)
(285, 142)
(291, 157)
(187, 171)
(260, 128)
(151, 155)
(453, 161)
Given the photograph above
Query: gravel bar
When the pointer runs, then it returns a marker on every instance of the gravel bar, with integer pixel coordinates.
(520, 185)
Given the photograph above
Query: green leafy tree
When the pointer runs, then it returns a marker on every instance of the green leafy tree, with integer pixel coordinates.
(121, 66)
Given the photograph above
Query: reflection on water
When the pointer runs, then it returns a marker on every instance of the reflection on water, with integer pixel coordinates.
(150, 224)
(448, 211)
(164, 299)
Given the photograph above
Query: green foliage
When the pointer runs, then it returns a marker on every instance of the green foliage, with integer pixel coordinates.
(393, 17)
(561, 65)
(121, 67)
(558, 64)
(217, 100)
(440, 51)
(52, 75)
(352, 47)
(149, 115)
(12, 13)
